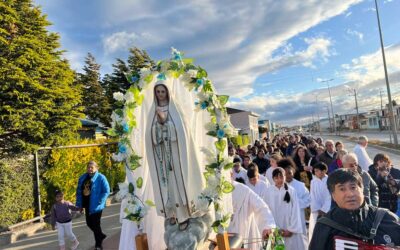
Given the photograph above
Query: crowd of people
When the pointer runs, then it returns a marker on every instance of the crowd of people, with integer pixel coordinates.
(298, 180)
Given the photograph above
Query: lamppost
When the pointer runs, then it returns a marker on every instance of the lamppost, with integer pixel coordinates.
(330, 98)
(391, 117)
(317, 109)
(355, 98)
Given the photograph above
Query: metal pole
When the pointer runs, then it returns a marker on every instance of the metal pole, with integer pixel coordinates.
(391, 117)
(381, 116)
(330, 98)
(358, 116)
(319, 122)
(39, 205)
(329, 117)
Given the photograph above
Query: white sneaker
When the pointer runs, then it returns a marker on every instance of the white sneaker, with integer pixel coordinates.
(75, 245)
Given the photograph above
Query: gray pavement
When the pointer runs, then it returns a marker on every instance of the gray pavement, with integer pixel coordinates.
(371, 150)
(47, 240)
(384, 136)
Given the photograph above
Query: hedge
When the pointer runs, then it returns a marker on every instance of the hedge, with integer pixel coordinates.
(16, 190)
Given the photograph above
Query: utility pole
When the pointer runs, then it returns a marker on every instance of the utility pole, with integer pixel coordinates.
(391, 115)
(381, 116)
(319, 122)
(358, 115)
(330, 98)
(354, 92)
(329, 118)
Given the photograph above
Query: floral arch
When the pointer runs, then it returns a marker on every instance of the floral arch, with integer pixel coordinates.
(124, 125)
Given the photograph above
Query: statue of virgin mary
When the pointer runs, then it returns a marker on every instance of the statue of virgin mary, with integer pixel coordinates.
(172, 158)
(169, 137)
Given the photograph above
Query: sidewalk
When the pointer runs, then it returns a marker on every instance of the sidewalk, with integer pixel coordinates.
(47, 240)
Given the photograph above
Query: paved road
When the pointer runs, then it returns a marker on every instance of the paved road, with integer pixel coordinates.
(47, 240)
(372, 151)
(385, 136)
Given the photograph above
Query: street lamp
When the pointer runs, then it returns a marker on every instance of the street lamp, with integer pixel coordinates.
(355, 98)
(317, 109)
(330, 98)
(391, 118)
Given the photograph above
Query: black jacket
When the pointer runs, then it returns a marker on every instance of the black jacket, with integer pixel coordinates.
(359, 221)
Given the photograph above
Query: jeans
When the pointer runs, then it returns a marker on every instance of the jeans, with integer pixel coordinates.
(93, 222)
(65, 229)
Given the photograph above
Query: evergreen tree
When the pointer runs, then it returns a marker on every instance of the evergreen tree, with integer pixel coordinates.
(39, 102)
(117, 82)
(95, 103)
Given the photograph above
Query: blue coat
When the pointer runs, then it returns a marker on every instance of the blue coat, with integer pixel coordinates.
(99, 192)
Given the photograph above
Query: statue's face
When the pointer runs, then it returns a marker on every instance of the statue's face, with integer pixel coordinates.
(161, 93)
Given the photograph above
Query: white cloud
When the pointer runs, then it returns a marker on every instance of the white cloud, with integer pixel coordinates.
(233, 40)
(355, 33)
(348, 14)
(364, 73)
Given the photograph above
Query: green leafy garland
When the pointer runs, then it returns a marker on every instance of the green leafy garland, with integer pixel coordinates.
(219, 126)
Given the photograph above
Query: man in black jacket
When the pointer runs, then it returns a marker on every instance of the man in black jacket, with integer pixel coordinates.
(352, 213)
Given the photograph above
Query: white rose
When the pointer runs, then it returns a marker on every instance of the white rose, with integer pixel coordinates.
(129, 97)
(144, 72)
(118, 96)
(210, 126)
(213, 181)
(202, 204)
(192, 73)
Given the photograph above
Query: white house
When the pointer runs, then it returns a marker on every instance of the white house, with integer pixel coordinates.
(246, 122)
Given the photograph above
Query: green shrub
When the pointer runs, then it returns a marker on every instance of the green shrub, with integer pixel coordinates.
(16, 190)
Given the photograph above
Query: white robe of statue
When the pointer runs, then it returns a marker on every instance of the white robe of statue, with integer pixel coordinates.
(190, 138)
(287, 216)
(172, 163)
(128, 229)
(320, 200)
(250, 213)
(304, 198)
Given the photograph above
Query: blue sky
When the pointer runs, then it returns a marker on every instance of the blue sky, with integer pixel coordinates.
(269, 56)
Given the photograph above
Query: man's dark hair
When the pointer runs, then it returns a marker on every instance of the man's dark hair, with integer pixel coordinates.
(246, 156)
(341, 176)
(58, 192)
(236, 159)
(252, 170)
(321, 166)
(241, 180)
(287, 163)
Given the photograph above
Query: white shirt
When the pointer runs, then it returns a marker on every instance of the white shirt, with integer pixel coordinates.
(248, 211)
(260, 188)
(363, 158)
(304, 198)
(320, 196)
(287, 216)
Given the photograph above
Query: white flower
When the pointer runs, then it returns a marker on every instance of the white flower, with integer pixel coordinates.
(202, 204)
(119, 157)
(202, 97)
(123, 191)
(210, 192)
(213, 181)
(129, 97)
(210, 126)
(118, 96)
(144, 72)
(192, 73)
(211, 154)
